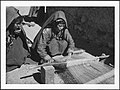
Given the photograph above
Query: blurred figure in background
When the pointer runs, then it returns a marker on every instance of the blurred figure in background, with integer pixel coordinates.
(16, 43)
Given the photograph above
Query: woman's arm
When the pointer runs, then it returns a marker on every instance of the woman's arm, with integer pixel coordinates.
(69, 39)
(41, 49)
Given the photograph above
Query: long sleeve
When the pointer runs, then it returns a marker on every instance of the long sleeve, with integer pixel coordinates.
(45, 37)
(69, 39)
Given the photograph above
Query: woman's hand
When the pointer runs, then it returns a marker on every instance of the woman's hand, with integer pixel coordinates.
(48, 59)
(70, 52)
(75, 50)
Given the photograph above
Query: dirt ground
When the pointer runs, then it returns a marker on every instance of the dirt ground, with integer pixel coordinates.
(27, 74)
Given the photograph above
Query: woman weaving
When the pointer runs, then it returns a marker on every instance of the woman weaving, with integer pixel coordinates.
(53, 38)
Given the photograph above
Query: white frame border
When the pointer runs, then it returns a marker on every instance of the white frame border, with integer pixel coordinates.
(57, 3)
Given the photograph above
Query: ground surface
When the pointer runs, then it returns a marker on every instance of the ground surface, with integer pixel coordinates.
(26, 74)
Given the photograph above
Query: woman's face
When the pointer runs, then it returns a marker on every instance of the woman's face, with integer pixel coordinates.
(60, 26)
(17, 27)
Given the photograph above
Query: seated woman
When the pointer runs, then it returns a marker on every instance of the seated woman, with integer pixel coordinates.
(16, 45)
(53, 38)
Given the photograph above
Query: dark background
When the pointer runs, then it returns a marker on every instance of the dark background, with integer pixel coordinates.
(92, 28)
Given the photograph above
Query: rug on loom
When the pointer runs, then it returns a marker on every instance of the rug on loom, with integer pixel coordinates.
(83, 73)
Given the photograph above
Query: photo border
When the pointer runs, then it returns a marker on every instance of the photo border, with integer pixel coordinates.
(58, 3)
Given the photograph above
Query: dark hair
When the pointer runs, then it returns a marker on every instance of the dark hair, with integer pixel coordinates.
(60, 21)
(56, 22)
(11, 29)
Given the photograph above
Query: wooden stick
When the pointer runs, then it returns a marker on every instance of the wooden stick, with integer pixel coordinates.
(101, 78)
(48, 64)
(70, 62)
(78, 61)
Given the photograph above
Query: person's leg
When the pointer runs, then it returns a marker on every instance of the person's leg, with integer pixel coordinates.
(57, 47)
(16, 55)
(62, 46)
(53, 48)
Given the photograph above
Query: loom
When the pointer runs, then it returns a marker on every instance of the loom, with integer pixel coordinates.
(81, 68)
(84, 68)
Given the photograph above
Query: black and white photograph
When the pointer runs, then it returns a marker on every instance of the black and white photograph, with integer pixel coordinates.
(60, 44)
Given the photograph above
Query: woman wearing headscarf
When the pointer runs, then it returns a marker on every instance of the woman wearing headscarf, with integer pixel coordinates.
(16, 44)
(53, 38)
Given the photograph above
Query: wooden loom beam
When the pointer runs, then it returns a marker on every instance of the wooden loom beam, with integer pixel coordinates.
(72, 62)
(79, 61)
